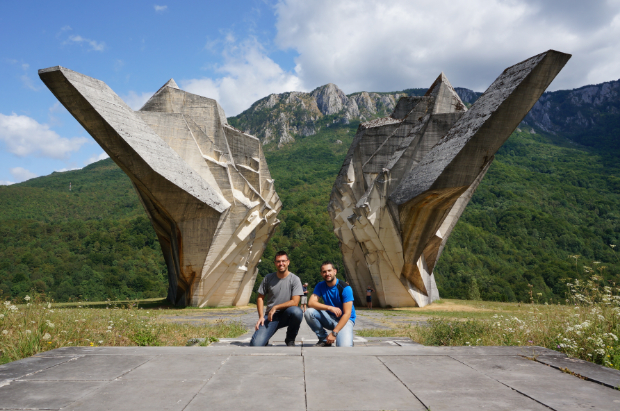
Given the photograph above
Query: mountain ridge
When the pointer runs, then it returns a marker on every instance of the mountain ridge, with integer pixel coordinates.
(281, 118)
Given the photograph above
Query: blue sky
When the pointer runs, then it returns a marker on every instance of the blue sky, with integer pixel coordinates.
(240, 51)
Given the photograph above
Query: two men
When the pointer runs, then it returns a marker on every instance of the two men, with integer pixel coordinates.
(282, 291)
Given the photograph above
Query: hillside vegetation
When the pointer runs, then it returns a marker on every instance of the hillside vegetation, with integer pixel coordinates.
(547, 210)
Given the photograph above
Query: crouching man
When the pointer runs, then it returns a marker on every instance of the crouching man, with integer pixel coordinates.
(282, 290)
(336, 315)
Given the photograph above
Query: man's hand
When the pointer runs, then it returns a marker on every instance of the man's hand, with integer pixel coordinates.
(261, 321)
(271, 313)
(336, 311)
(330, 339)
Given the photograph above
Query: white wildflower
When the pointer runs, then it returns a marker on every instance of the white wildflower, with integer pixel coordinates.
(28, 331)
(5, 332)
(46, 336)
(27, 298)
(49, 305)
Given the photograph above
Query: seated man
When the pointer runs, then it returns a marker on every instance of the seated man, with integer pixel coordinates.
(337, 314)
(282, 290)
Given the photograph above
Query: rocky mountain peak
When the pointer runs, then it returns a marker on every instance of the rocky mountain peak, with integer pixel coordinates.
(329, 99)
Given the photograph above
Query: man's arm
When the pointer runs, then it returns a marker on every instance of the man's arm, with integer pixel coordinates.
(259, 307)
(347, 308)
(314, 303)
(294, 301)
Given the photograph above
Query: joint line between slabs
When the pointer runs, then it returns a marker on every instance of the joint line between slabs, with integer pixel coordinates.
(580, 376)
(504, 384)
(206, 382)
(401, 381)
(103, 385)
(303, 360)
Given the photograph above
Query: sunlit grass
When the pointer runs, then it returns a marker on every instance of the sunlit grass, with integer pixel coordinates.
(586, 327)
(36, 326)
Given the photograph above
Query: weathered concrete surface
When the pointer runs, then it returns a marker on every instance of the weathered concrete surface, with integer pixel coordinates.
(407, 179)
(205, 185)
(229, 377)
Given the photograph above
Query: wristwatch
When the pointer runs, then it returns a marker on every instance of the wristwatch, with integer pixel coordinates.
(335, 333)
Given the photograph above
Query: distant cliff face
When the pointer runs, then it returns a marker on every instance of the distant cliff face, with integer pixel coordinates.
(588, 115)
(281, 117)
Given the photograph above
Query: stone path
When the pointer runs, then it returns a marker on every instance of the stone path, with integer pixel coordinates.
(232, 377)
(376, 374)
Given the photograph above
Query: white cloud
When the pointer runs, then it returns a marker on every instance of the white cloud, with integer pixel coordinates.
(6, 182)
(94, 45)
(25, 136)
(21, 174)
(135, 100)
(96, 157)
(62, 170)
(160, 9)
(248, 74)
(380, 46)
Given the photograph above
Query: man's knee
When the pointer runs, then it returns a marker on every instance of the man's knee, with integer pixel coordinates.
(310, 314)
(295, 312)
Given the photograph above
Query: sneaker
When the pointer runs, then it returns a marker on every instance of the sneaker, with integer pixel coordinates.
(322, 344)
(290, 343)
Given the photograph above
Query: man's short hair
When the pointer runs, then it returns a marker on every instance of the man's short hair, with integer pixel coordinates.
(330, 263)
(281, 253)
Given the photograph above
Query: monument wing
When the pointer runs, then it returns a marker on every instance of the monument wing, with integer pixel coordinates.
(407, 178)
(213, 208)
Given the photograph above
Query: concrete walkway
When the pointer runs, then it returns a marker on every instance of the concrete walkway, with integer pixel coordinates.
(229, 376)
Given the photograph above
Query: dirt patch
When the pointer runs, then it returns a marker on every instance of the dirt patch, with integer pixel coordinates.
(445, 306)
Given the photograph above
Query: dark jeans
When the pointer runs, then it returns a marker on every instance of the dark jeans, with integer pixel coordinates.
(291, 318)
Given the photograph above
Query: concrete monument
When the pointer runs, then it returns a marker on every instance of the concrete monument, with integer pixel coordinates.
(407, 178)
(204, 184)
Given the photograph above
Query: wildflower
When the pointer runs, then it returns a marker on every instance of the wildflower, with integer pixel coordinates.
(28, 331)
(5, 332)
(1, 316)
(46, 336)
(27, 298)
(49, 305)
(13, 307)
(92, 344)
(7, 303)
(109, 327)
(101, 342)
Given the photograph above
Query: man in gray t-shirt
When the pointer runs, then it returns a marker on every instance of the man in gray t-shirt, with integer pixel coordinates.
(281, 291)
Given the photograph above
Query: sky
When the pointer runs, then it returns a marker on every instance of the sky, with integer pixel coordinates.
(240, 51)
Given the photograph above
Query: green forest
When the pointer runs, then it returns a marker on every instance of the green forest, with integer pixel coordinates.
(547, 210)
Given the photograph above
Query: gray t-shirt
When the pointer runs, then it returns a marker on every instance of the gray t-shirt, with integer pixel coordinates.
(278, 291)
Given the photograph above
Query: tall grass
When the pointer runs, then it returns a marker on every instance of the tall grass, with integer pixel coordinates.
(29, 327)
(586, 327)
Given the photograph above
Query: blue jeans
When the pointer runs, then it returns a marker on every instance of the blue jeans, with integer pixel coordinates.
(291, 318)
(321, 321)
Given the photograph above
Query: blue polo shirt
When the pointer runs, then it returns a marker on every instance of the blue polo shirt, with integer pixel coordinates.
(331, 296)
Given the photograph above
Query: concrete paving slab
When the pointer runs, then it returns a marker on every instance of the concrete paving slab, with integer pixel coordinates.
(442, 383)
(44, 394)
(29, 365)
(90, 368)
(425, 350)
(593, 372)
(218, 350)
(244, 383)
(139, 395)
(360, 383)
(177, 367)
(544, 384)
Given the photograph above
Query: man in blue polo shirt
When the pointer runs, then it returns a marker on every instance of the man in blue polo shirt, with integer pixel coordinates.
(337, 314)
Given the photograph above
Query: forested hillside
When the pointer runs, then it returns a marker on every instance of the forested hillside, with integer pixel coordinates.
(547, 210)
